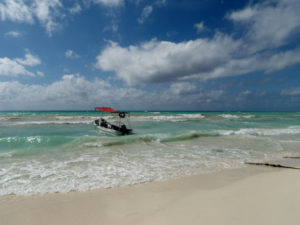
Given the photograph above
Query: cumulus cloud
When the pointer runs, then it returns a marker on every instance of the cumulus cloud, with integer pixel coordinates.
(71, 54)
(190, 94)
(74, 91)
(269, 24)
(71, 92)
(18, 66)
(10, 67)
(157, 61)
(13, 34)
(220, 56)
(183, 88)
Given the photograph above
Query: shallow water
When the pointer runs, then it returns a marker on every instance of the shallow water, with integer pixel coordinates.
(46, 152)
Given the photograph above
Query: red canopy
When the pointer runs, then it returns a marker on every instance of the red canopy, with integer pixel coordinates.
(106, 109)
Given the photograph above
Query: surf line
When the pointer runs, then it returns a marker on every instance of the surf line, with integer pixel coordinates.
(272, 165)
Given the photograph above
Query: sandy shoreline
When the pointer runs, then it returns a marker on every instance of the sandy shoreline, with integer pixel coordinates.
(251, 195)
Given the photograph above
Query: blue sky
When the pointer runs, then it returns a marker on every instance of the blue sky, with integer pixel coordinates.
(150, 55)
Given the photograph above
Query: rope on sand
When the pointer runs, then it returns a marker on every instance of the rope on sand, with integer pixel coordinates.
(291, 157)
(272, 165)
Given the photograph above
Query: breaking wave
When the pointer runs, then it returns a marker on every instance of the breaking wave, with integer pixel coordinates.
(61, 152)
(262, 131)
(70, 120)
(233, 116)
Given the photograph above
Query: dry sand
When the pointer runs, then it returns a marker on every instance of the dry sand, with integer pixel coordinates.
(253, 195)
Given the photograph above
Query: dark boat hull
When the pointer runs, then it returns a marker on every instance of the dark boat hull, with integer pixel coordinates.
(112, 129)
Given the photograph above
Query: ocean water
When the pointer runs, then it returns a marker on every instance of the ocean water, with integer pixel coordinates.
(48, 152)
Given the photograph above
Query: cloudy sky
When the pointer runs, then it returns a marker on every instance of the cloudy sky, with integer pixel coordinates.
(150, 54)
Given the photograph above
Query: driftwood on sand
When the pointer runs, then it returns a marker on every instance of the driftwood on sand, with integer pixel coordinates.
(272, 165)
(291, 157)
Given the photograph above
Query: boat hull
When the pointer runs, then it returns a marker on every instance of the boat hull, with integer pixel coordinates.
(112, 129)
(109, 131)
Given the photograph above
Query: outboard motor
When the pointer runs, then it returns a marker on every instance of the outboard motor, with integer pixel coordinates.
(124, 130)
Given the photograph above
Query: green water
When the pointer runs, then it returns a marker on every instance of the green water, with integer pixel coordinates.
(44, 152)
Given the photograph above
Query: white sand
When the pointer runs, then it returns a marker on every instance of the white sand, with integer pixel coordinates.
(252, 195)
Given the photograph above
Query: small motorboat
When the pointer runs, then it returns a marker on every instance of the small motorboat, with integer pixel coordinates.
(120, 127)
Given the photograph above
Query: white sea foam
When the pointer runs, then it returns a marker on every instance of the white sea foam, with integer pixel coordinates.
(45, 159)
(248, 116)
(232, 116)
(103, 167)
(29, 139)
(49, 122)
(34, 139)
(262, 131)
(58, 120)
(63, 120)
(172, 118)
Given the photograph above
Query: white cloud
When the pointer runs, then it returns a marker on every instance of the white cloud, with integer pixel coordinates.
(16, 11)
(148, 9)
(187, 94)
(29, 60)
(75, 9)
(12, 68)
(39, 73)
(157, 61)
(71, 92)
(183, 88)
(219, 56)
(269, 24)
(199, 27)
(16, 67)
(47, 12)
(13, 34)
(291, 91)
(145, 14)
(109, 3)
(76, 92)
(71, 54)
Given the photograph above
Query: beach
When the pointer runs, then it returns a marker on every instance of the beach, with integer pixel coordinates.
(251, 195)
(176, 168)
(134, 112)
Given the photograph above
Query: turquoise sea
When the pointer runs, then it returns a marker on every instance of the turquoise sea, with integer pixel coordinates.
(47, 152)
